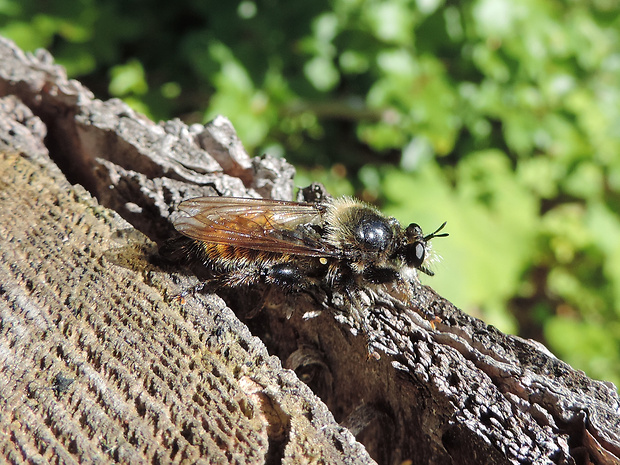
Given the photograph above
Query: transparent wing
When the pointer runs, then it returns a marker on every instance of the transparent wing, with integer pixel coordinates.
(260, 224)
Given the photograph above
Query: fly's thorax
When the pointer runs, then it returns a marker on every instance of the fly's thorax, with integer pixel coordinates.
(360, 230)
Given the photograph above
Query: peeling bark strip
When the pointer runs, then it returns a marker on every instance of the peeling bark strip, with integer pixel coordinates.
(97, 365)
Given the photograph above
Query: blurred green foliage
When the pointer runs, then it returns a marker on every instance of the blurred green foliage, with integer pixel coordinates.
(500, 116)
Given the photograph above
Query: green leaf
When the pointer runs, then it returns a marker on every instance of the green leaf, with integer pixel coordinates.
(590, 347)
(128, 79)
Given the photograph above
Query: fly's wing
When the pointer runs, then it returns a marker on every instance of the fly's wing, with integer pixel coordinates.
(259, 224)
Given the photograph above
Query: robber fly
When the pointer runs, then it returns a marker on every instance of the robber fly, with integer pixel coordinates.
(334, 243)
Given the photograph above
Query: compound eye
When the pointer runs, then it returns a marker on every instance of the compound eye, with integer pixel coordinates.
(414, 254)
(373, 234)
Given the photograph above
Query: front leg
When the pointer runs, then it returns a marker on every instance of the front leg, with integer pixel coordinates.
(376, 275)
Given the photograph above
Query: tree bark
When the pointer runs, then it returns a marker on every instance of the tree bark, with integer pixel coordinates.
(99, 363)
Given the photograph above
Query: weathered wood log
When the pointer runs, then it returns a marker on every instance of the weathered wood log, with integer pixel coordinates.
(97, 363)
